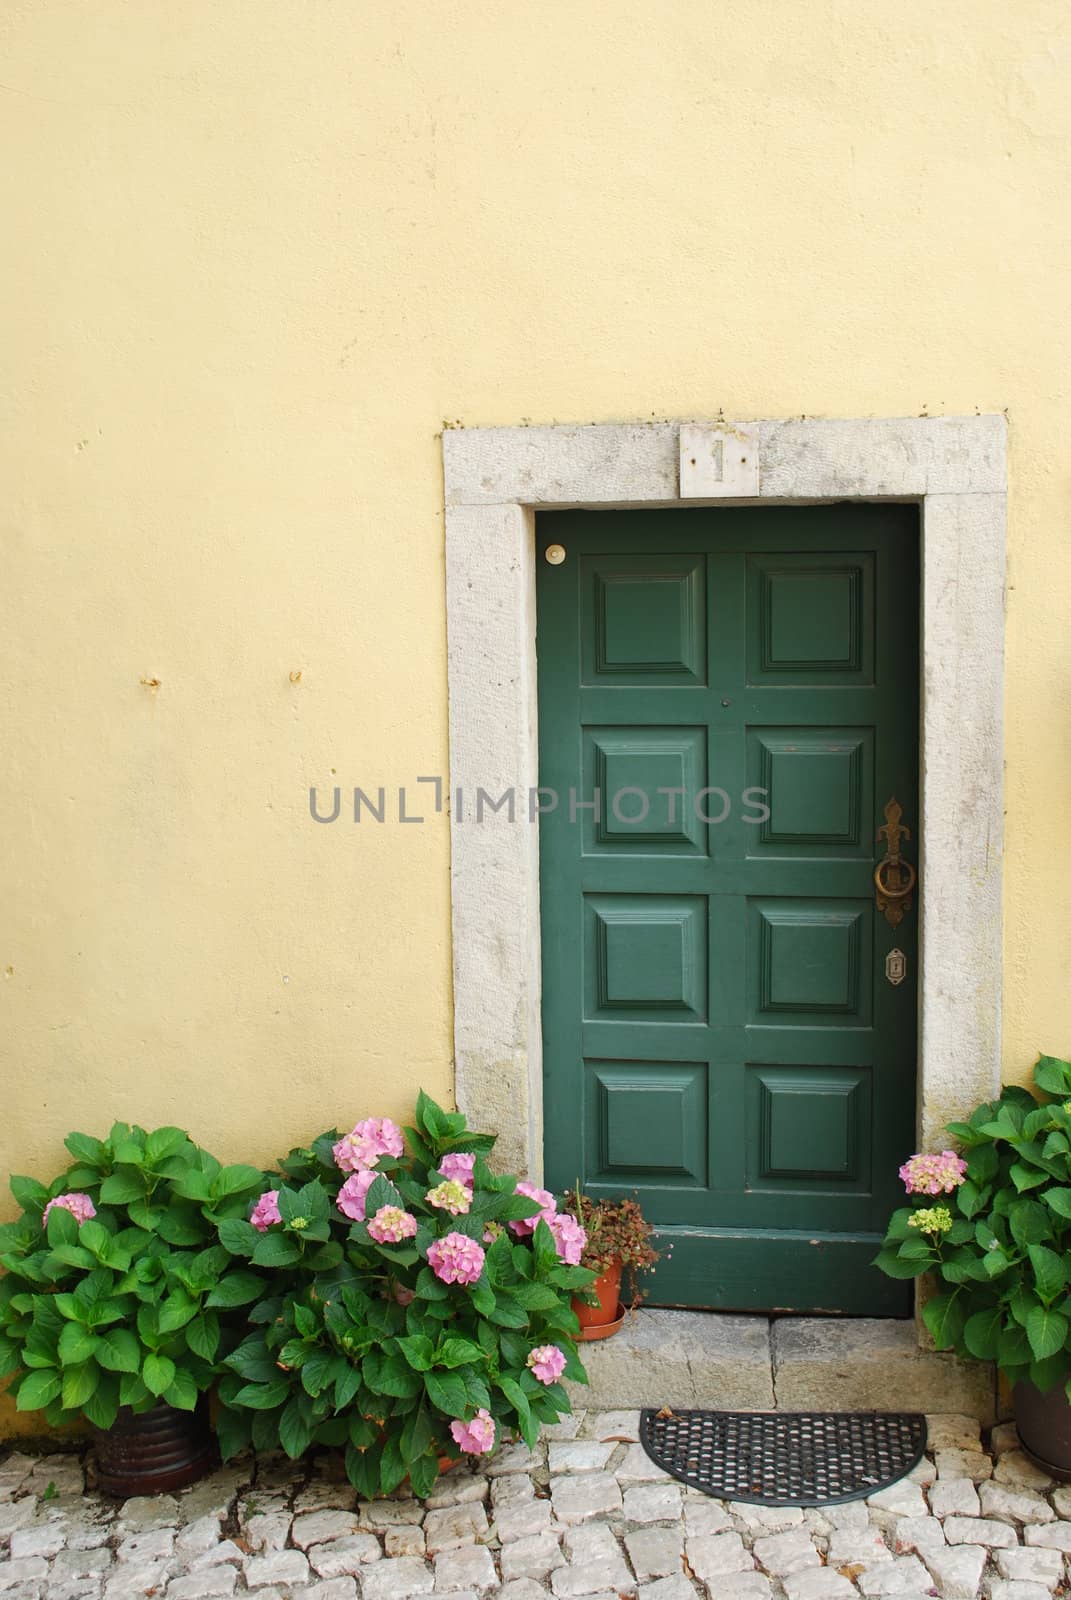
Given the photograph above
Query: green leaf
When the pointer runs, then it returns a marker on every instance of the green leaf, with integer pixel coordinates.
(1029, 1223)
(455, 1352)
(1050, 1272)
(447, 1391)
(181, 1392)
(233, 1180)
(132, 1392)
(944, 1318)
(1060, 1201)
(263, 1396)
(202, 1335)
(61, 1227)
(37, 1389)
(102, 1407)
(30, 1195)
(122, 1188)
(83, 1148)
(78, 1384)
(239, 1236)
(430, 1118)
(416, 1435)
(158, 1373)
(519, 1400)
(429, 1287)
(295, 1433)
(277, 1250)
(164, 1142)
(390, 1375)
(76, 1344)
(419, 1352)
(176, 1311)
(118, 1350)
(422, 1474)
(362, 1469)
(182, 1226)
(236, 1289)
(233, 1431)
(1025, 1177)
(981, 1333)
(1053, 1075)
(1047, 1331)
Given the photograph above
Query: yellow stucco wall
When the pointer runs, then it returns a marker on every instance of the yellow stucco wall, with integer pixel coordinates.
(256, 253)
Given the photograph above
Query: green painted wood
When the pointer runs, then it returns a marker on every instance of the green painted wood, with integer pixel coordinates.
(740, 688)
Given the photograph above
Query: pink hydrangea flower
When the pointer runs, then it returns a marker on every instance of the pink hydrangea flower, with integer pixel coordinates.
(569, 1237)
(368, 1143)
(391, 1225)
(458, 1165)
(80, 1206)
(450, 1196)
(266, 1211)
(456, 1258)
(476, 1438)
(933, 1174)
(351, 1197)
(547, 1362)
(526, 1225)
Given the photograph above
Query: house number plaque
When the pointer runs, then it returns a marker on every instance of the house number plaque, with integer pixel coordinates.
(896, 966)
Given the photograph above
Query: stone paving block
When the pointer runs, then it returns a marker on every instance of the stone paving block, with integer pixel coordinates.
(566, 1428)
(713, 1555)
(1019, 1471)
(276, 1566)
(1004, 1436)
(226, 1550)
(905, 1575)
(134, 1582)
(1003, 1589)
(40, 1539)
(1032, 1565)
(872, 1364)
(851, 1547)
(1051, 1535)
(404, 1541)
(531, 1558)
(513, 1458)
(202, 1534)
(616, 1425)
(397, 1580)
(952, 1431)
(785, 1553)
(742, 1586)
(970, 1464)
(218, 1582)
(319, 1527)
(655, 1552)
(155, 1544)
(652, 1502)
(342, 1557)
(454, 1525)
(268, 1530)
(330, 1589)
(923, 1473)
(457, 1488)
(705, 1516)
(637, 1467)
(466, 1566)
(955, 1497)
(590, 1494)
(979, 1530)
(765, 1519)
(579, 1455)
(849, 1514)
(676, 1588)
(909, 1534)
(957, 1571)
(27, 1570)
(820, 1584)
(145, 1511)
(511, 1491)
(522, 1589)
(680, 1358)
(595, 1563)
(1014, 1505)
(901, 1499)
(72, 1564)
(1061, 1499)
(522, 1520)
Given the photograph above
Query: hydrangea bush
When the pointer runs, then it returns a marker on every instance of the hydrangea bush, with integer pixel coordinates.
(999, 1241)
(116, 1289)
(418, 1305)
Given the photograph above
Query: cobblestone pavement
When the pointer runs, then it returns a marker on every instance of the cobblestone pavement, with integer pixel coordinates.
(587, 1516)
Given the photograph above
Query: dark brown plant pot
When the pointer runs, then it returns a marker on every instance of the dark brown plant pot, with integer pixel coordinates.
(161, 1449)
(1044, 1423)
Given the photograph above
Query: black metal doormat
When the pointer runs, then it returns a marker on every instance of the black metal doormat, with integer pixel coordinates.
(784, 1458)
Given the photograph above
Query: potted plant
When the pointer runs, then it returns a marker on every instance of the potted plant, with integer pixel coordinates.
(618, 1241)
(118, 1302)
(993, 1225)
(418, 1307)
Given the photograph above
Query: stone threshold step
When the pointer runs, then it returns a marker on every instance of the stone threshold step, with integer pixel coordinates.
(730, 1363)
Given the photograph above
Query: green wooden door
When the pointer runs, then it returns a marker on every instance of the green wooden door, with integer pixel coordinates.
(721, 1035)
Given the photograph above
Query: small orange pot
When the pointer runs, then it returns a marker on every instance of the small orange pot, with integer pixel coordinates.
(608, 1310)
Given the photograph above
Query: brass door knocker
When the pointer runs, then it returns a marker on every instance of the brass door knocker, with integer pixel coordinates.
(894, 878)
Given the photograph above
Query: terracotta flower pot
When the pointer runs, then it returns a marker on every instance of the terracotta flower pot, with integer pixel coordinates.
(1044, 1423)
(155, 1451)
(608, 1290)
